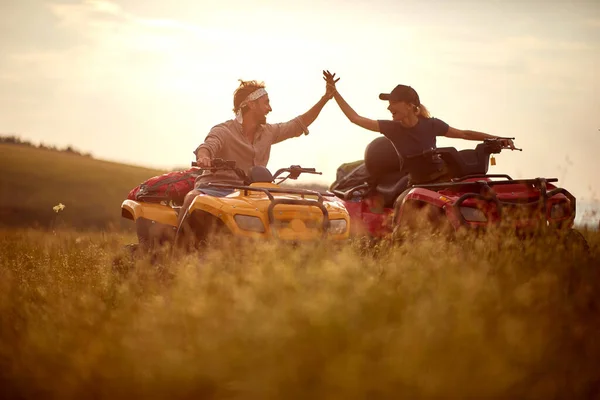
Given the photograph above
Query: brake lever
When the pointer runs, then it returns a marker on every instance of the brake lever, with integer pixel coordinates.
(310, 171)
(496, 140)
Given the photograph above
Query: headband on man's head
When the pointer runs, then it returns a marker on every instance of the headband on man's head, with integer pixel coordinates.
(251, 97)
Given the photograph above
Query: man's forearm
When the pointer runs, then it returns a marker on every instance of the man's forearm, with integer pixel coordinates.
(212, 144)
(202, 152)
(312, 114)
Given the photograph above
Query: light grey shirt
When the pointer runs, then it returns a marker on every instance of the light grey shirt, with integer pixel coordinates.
(227, 141)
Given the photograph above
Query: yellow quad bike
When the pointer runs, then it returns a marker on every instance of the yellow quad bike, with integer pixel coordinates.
(257, 209)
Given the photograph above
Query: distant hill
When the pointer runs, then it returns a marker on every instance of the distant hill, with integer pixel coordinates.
(33, 180)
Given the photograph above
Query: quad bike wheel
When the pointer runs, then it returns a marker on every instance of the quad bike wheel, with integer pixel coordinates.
(200, 230)
(418, 218)
(573, 239)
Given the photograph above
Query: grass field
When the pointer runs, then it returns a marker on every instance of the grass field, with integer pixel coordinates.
(35, 180)
(427, 319)
(79, 318)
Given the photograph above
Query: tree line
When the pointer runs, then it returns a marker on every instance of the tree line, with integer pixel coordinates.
(16, 140)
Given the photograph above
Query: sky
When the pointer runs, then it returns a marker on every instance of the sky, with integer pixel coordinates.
(143, 81)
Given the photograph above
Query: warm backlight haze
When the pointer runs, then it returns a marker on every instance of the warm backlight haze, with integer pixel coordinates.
(142, 82)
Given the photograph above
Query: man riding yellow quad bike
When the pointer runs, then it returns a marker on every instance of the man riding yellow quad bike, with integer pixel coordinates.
(257, 209)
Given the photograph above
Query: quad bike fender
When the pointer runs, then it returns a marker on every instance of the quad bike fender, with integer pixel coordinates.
(421, 195)
(223, 209)
(160, 213)
(154, 223)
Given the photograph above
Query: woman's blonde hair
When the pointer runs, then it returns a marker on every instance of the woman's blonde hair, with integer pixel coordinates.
(424, 112)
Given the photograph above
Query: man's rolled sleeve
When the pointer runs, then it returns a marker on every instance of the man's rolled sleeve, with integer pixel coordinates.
(288, 130)
(213, 142)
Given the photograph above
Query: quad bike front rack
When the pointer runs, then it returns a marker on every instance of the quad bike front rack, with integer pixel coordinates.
(487, 194)
(274, 202)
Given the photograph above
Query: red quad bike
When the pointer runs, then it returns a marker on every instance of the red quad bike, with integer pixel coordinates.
(382, 196)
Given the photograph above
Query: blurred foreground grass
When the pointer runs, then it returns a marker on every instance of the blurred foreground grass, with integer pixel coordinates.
(422, 320)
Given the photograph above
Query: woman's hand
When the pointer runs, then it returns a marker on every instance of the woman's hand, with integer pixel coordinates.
(330, 82)
(506, 142)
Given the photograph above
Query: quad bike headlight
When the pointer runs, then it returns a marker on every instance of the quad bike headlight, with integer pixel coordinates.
(249, 223)
(337, 226)
(473, 214)
(560, 210)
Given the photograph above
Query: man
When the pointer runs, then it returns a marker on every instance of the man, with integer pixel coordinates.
(246, 139)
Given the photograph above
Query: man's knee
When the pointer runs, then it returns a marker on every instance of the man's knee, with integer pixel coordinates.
(191, 195)
(187, 201)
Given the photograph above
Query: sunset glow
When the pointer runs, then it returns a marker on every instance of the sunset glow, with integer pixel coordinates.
(142, 82)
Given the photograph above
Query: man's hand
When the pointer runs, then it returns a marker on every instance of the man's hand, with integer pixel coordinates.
(204, 162)
(203, 158)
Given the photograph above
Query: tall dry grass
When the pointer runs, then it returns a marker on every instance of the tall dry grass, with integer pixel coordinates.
(426, 319)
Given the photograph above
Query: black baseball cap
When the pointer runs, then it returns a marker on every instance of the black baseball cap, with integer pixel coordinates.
(402, 93)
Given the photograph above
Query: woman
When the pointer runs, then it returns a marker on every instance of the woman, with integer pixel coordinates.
(412, 130)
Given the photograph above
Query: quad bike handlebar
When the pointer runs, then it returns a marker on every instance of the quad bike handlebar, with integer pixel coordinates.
(218, 164)
(496, 143)
(294, 171)
(493, 145)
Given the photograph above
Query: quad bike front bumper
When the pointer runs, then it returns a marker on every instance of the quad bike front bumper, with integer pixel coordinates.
(554, 208)
(270, 212)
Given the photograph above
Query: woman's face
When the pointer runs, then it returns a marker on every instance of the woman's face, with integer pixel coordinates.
(400, 110)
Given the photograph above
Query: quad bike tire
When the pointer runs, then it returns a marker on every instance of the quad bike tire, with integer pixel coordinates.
(200, 230)
(420, 218)
(574, 239)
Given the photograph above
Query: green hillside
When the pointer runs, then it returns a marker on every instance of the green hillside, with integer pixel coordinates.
(34, 180)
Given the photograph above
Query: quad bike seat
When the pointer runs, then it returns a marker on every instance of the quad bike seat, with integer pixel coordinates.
(260, 174)
(389, 173)
(465, 162)
(391, 186)
(384, 167)
(455, 163)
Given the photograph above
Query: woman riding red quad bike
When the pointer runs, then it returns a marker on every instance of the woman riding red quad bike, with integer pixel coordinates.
(464, 197)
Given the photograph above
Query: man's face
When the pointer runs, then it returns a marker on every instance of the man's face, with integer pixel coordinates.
(261, 107)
